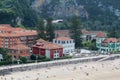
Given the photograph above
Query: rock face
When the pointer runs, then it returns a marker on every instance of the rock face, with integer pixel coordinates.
(81, 8)
(59, 8)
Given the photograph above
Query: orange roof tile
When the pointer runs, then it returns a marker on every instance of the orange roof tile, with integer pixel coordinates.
(19, 46)
(108, 40)
(63, 38)
(46, 45)
(101, 34)
(85, 32)
(63, 32)
(24, 54)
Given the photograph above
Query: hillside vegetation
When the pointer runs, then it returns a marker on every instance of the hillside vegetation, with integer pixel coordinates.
(17, 12)
(94, 14)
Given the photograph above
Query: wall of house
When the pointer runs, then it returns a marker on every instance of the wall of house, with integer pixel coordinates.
(38, 51)
(47, 51)
(110, 47)
(68, 46)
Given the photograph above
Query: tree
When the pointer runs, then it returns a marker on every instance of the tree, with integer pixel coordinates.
(8, 57)
(75, 31)
(50, 30)
(113, 33)
(23, 59)
(3, 51)
(33, 57)
(41, 29)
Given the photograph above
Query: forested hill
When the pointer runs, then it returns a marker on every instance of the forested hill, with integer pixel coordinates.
(17, 12)
(95, 14)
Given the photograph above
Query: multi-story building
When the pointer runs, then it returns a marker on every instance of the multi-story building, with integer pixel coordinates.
(106, 45)
(59, 33)
(19, 50)
(86, 35)
(67, 43)
(91, 35)
(8, 35)
(47, 49)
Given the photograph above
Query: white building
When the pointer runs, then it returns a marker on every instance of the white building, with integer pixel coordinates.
(67, 43)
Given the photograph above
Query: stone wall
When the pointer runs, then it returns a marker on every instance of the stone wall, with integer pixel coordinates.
(25, 67)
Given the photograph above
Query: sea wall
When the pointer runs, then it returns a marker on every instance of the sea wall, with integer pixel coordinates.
(25, 67)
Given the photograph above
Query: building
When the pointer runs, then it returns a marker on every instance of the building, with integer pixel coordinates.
(19, 50)
(8, 35)
(59, 33)
(108, 45)
(91, 35)
(86, 35)
(67, 43)
(47, 49)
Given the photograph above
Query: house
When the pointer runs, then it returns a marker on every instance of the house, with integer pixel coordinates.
(67, 43)
(19, 50)
(59, 33)
(1, 57)
(86, 35)
(8, 35)
(108, 45)
(48, 49)
(91, 35)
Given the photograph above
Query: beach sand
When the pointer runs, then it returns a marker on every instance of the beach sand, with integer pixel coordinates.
(108, 70)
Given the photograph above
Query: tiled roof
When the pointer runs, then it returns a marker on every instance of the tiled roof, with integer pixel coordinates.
(108, 40)
(26, 32)
(63, 38)
(101, 35)
(62, 32)
(24, 54)
(19, 46)
(46, 45)
(8, 31)
(85, 32)
(5, 25)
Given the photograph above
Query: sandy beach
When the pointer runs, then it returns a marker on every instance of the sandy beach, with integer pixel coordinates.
(108, 70)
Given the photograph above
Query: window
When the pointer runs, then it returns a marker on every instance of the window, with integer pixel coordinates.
(55, 41)
(63, 42)
(70, 41)
(67, 42)
(58, 42)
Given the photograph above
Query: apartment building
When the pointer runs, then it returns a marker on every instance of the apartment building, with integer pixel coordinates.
(9, 35)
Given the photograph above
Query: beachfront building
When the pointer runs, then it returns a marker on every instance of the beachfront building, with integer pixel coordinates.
(108, 45)
(19, 50)
(86, 35)
(67, 43)
(8, 35)
(59, 33)
(91, 35)
(48, 49)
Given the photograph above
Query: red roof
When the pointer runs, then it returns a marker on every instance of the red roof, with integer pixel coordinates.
(19, 46)
(24, 54)
(62, 32)
(8, 31)
(63, 38)
(85, 32)
(46, 45)
(101, 35)
(108, 40)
